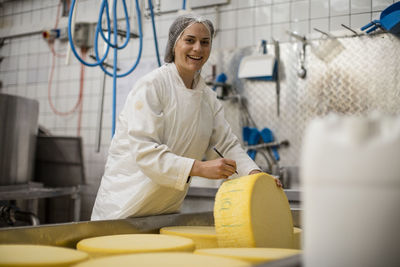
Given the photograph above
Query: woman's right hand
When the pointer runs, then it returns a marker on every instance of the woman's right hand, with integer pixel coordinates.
(214, 169)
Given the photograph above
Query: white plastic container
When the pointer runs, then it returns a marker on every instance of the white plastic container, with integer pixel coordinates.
(350, 173)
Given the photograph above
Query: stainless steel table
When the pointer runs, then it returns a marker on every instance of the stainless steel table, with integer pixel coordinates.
(34, 191)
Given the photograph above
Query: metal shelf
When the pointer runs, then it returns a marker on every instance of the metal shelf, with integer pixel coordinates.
(34, 191)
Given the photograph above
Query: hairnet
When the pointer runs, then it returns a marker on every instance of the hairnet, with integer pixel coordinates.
(178, 26)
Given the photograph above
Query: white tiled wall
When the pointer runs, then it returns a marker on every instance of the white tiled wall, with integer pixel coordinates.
(27, 60)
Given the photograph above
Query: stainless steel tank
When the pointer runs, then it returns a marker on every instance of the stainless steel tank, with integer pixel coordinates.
(18, 131)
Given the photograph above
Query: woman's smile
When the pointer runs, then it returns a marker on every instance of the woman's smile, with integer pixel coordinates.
(195, 57)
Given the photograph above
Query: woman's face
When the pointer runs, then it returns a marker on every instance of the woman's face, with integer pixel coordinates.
(192, 49)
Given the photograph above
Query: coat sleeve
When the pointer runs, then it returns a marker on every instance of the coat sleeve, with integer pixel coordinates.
(145, 121)
(227, 143)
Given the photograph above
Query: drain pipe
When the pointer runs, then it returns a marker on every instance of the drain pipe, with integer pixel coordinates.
(10, 215)
(27, 216)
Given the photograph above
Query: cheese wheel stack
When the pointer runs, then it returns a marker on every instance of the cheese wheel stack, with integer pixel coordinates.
(165, 259)
(38, 255)
(134, 243)
(251, 255)
(202, 236)
(252, 211)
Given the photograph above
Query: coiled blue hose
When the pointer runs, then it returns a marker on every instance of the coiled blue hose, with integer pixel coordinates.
(154, 32)
(114, 44)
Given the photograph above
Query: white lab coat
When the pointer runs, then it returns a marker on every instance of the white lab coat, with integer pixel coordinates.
(161, 130)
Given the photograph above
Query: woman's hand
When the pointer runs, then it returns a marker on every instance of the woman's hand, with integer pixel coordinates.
(214, 169)
(278, 183)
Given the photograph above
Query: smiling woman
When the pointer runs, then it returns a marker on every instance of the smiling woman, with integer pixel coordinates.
(191, 51)
(170, 122)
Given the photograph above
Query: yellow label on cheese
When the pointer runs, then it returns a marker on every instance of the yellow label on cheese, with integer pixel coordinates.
(38, 255)
(202, 236)
(252, 255)
(252, 211)
(134, 243)
(297, 237)
(166, 259)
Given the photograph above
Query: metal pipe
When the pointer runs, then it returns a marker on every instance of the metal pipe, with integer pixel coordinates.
(22, 34)
(277, 80)
(350, 29)
(11, 215)
(297, 36)
(77, 205)
(100, 115)
(270, 144)
(34, 219)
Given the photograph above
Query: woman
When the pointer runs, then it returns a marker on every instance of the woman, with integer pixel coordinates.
(170, 121)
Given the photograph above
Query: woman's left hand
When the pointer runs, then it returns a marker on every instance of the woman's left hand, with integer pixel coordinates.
(278, 183)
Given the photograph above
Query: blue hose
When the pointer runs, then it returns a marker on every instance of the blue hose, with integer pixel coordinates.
(184, 5)
(154, 32)
(114, 44)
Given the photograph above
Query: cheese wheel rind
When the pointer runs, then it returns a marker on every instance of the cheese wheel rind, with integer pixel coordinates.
(297, 232)
(252, 211)
(165, 259)
(134, 243)
(39, 255)
(202, 236)
(251, 255)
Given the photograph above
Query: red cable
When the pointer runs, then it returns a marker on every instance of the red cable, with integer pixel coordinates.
(51, 46)
(79, 103)
(58, 14)
(57, 112)
(51, 43)
(81, 82)
(54, 109)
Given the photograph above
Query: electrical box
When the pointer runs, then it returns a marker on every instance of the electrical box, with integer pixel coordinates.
(84, 34)
(173, 5)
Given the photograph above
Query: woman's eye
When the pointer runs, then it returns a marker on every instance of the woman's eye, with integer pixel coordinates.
(205, 42)
(190, 41)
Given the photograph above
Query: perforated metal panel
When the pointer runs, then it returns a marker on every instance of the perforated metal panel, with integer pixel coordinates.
(362, 77)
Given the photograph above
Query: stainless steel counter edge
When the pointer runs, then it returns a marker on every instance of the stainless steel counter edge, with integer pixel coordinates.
(68, 234)
(293, 261)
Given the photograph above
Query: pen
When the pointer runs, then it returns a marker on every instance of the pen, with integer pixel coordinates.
(219, 154)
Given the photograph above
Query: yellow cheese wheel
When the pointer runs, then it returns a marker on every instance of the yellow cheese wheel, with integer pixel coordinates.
(297, 237)
(133, 243)
(202, 236)
(166, 259)
(38, 255)
(252, 211)
(251, 255)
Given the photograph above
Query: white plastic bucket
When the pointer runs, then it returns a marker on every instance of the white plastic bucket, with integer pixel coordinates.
(350, 173)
